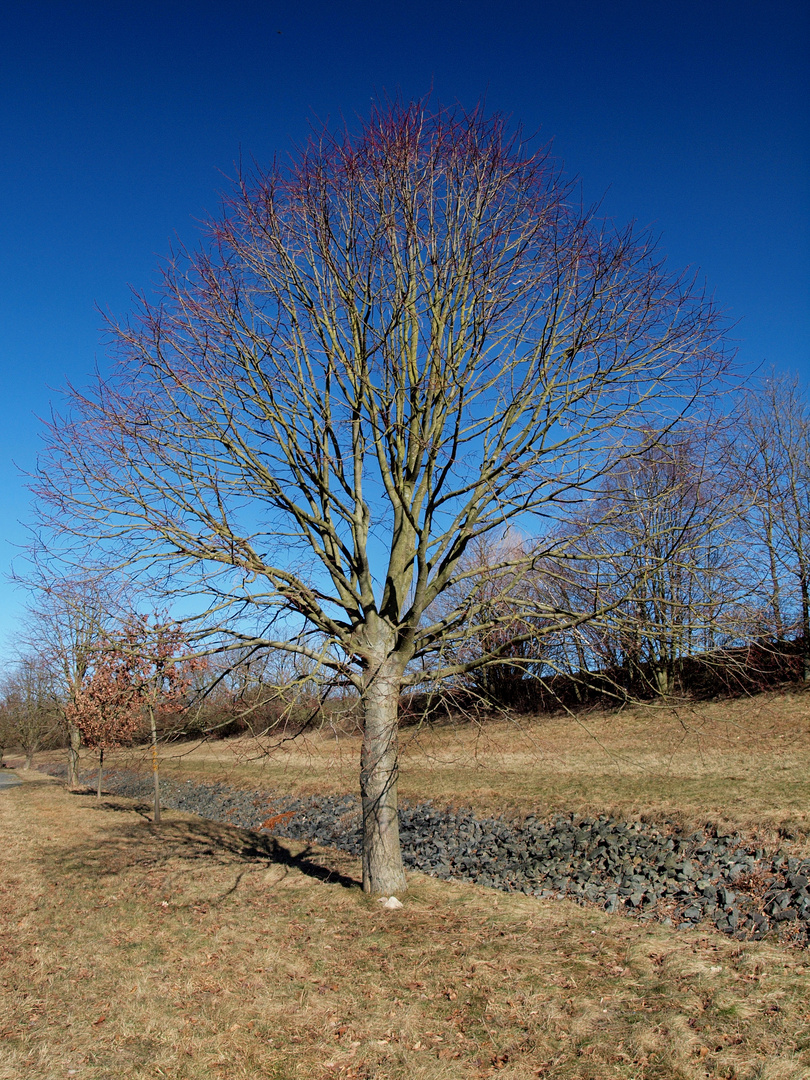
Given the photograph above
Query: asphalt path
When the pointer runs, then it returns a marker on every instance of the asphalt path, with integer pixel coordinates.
(8, 779)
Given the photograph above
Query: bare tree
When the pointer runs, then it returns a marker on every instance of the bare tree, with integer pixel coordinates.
(514, 587)
(652, 563)
(772, 456)
(406, 338)
(30, 706)
(68, 616)
(659, 557)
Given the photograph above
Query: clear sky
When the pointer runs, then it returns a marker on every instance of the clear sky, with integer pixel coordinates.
(120, 123)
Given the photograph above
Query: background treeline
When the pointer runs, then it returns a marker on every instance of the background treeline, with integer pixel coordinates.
(694, 559)
(685, 573)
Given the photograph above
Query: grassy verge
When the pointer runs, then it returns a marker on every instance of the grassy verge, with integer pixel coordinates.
(742, 764)
(193, 950)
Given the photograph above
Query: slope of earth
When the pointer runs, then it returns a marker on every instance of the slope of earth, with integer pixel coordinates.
(196, 950)
(681, 814)
(742, 765)
(654, 873)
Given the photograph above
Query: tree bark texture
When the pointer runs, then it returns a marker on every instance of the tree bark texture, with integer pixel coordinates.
(155, 770)
(75, 740)
(383, 873)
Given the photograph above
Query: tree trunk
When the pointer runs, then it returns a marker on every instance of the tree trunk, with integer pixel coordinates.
(776, 600)
(155, 774)
(805, 591)
(100, 768)
(383, 873)
(29, 761)
(75, 742)
(661, 678)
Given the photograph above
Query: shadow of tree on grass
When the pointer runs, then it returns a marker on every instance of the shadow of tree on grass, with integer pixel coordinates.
(148, 847)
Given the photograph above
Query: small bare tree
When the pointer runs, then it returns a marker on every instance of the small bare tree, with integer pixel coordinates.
(408, 337)
(659, 557)
(68, 616)
(30, 706)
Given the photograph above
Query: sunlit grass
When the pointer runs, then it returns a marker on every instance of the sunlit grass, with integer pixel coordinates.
(195, 950)
(741, 764)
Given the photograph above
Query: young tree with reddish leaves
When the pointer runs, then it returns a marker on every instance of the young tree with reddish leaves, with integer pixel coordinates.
(410, 336)
(164, 670)
(108, 706)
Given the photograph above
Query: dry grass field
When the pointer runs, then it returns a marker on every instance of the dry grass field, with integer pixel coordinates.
(194, 950)
(742, 763)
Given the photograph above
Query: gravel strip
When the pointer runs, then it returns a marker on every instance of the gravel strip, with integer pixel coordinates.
(649, 872)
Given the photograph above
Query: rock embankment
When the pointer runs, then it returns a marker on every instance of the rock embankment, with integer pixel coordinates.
(651, 872)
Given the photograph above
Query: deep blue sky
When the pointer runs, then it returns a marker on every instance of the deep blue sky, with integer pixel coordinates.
(119, 123)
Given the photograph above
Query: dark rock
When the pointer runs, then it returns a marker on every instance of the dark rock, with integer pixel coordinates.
(610, 863)
(786, 915)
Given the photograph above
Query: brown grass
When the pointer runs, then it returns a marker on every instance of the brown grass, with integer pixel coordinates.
(741, 764)
(194, 950)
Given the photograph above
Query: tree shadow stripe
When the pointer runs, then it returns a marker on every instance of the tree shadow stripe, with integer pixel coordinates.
(144, 843)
